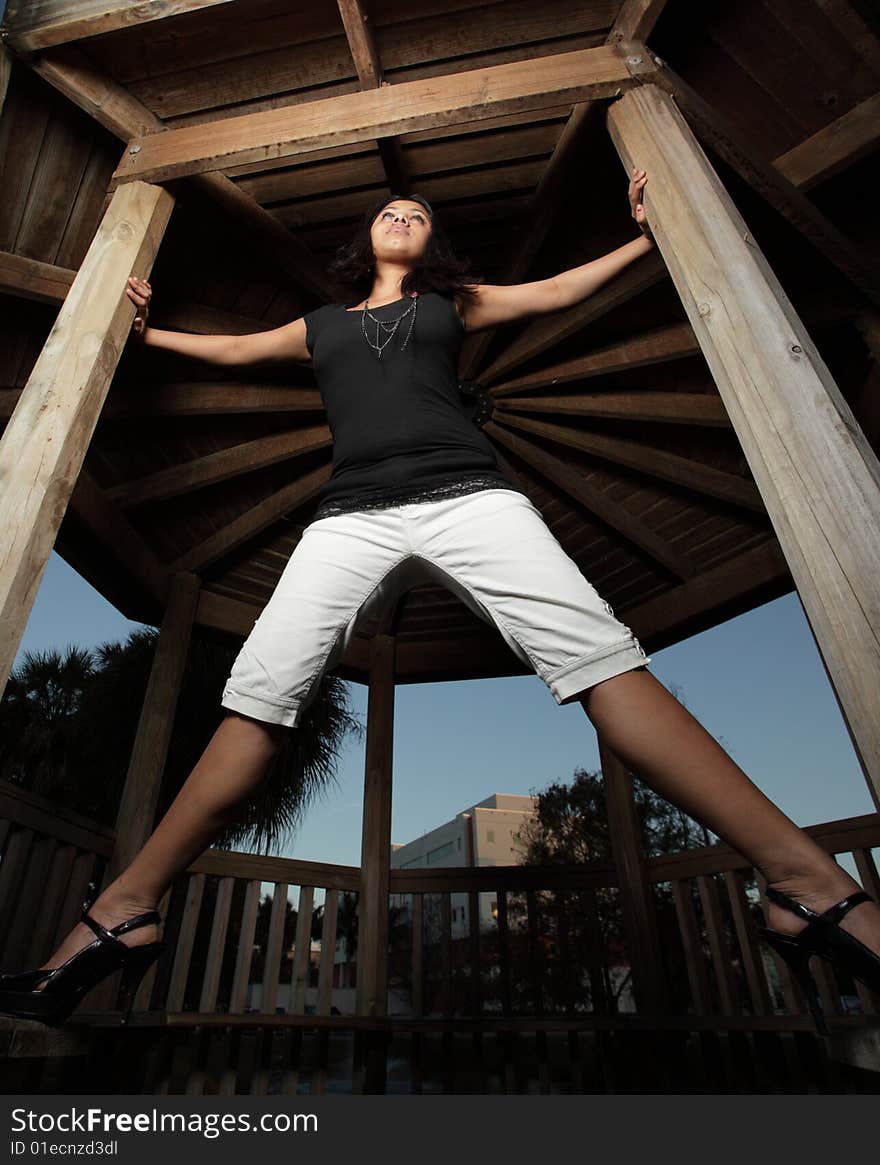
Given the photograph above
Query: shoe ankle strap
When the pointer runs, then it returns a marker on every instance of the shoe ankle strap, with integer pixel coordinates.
(830, 917)
(110, 936)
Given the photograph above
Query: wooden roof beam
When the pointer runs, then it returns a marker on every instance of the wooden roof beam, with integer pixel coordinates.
(715, 130)
(541, 214)
(469, 95)
(834, 147)
(220, 466)
(31, 25)
(253, 521)
(548, 330)
(677, 408)
(365, 54)
(199, 399)
(70, 72)
(636, 20)
(653, 347)
(670, 342)
(683, 471)
(600, 506)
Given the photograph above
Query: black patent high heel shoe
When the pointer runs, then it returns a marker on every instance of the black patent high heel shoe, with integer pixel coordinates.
(823, 937)
(67, 984)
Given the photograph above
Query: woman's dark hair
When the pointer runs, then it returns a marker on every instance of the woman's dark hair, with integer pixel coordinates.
(439, 268)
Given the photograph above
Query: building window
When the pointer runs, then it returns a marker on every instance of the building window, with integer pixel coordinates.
(490, 835)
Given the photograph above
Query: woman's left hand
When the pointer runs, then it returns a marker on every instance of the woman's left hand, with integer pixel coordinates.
(636, 185)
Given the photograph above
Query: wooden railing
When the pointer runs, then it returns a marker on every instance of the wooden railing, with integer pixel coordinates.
(547, 962)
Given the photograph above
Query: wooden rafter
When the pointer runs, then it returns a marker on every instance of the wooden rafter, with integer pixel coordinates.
(546, 331)
(684, 471)
(636, 20)
(253, 521)
(220, 466)
(716, 130)
(653, 347)
(834, 147)
(575, 486)
(469, 95)
(117, 536)
(541, 213)
(365, 54)
(199, 399)
(31, 25)
(73, 74)
(677, 408)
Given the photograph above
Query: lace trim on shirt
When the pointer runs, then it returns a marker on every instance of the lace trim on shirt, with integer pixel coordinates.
(410, 494)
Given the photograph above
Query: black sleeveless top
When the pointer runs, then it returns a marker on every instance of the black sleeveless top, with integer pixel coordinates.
(400, 430)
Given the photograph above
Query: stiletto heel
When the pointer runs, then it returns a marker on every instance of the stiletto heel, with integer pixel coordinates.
(798, 961)
(67, 984)
(823, 936)
(135, 967)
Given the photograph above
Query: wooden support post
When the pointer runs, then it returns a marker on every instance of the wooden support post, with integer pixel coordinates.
(636, 896)
(818, 476)
(372, 960)
(45, 442)
(137, 808)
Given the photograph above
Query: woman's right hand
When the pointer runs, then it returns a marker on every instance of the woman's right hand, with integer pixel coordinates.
(140, 293)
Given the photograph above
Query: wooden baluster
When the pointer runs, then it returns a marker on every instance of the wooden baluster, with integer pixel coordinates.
(274, 949)
(693, 949)
(217, 945)
(753, 965)
(717, 943)
(302, 951)
(245, 954)
(185, 940)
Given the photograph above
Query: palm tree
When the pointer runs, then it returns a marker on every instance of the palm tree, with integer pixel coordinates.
(68, 722)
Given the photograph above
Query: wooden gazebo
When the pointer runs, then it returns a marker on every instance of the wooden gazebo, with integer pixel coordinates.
(699, 435)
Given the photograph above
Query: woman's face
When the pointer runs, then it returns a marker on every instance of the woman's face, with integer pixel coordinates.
(400, 231)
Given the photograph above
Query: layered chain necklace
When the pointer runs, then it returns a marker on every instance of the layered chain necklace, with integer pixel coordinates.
(388, 327)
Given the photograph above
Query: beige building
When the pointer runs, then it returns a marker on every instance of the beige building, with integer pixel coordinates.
(482, 835)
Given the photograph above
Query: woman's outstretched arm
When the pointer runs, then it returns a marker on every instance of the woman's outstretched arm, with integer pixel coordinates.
(285, 343)
(504, 303)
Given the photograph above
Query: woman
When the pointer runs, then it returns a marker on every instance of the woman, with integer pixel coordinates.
(416, 493)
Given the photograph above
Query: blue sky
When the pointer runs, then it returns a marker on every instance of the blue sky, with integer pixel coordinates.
(755, 682)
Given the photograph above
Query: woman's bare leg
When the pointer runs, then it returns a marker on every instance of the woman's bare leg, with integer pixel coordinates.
(230, 770)
(662, 743)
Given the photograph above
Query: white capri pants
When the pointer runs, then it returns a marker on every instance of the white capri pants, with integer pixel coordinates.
(491, 548)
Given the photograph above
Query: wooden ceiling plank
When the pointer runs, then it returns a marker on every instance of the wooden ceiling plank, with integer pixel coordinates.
(849, 23)
(220, 466)
(572, 483)
(836, 146)
(70, 72)
(684, 471)
(581, 75)
(31, 25)
(438, 188)
(678, 408)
